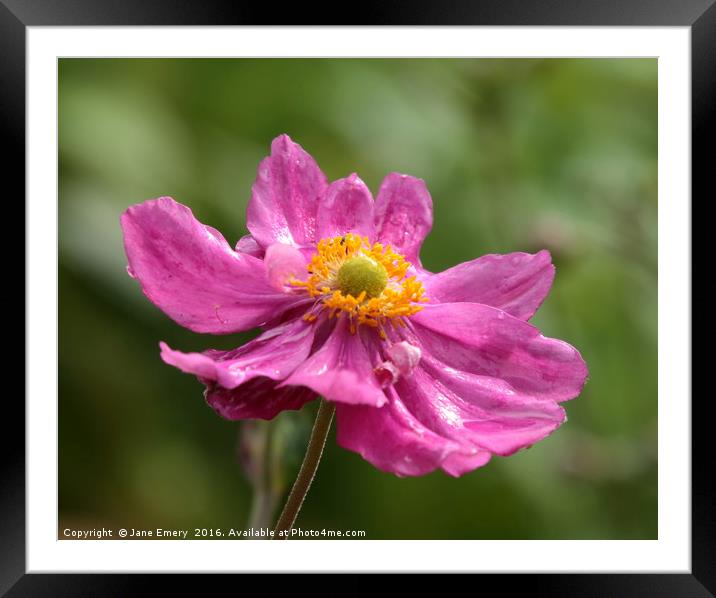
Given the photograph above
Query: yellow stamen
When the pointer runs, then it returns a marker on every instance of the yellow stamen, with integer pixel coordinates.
(366, 282)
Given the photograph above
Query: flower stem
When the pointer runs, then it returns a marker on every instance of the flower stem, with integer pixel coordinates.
(311, 459)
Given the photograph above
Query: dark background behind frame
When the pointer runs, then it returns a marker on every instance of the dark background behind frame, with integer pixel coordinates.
(15, 15)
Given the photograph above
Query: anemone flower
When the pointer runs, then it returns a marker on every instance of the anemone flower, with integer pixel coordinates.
(426, 370)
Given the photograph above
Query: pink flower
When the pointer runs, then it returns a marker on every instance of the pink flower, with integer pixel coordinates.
(426, 370)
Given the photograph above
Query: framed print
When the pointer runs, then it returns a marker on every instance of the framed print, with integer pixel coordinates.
(413, 295)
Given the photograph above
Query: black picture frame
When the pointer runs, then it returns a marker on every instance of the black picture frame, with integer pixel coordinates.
(17, 15)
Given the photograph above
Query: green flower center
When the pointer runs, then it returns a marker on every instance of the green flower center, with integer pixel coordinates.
(360, 273)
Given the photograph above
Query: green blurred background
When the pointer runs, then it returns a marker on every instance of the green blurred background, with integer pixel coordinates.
(519, 155)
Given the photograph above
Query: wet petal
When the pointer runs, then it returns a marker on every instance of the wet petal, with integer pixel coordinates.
(516, 282)
(341, 370)
(403, 214)
(346, 207)
(393, 440)
(189, 271)
(285, 196)
(476, 411)
(482, 340)
(275, 354)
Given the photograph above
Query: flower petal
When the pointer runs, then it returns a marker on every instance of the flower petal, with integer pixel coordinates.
(440, 416)
(285, 196)
(476, 411)
(403, 214)
(393, 440)
(189, 271)
(482, 340)
(341, 370)
(283, 263)
(516, 282)
(259, 398)
(404, 356)
(247, 244)
(401, 360)
(457, 464)
(346, 207)
(274, 354)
